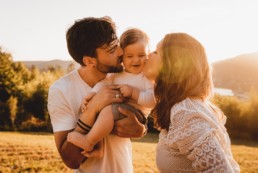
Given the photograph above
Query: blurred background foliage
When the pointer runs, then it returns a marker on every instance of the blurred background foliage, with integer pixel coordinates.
(23, 101)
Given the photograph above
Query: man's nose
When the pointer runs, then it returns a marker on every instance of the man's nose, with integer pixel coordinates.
(149, 55)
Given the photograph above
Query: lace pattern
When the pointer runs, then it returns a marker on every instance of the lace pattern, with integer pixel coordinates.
(196, 134)
(208, 156)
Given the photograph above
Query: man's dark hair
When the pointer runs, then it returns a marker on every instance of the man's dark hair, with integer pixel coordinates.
(88, 34)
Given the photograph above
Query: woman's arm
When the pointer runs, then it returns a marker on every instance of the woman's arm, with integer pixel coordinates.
(197, 138)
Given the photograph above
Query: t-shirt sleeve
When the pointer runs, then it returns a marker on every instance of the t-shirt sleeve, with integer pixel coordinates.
(61, 115)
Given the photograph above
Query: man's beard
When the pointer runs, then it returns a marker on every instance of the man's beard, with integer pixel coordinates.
(108, 69)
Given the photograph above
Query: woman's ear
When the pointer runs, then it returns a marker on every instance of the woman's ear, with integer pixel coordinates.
(89, 61)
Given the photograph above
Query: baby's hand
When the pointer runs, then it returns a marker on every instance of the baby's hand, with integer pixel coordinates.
(126, 90)
(86, 100)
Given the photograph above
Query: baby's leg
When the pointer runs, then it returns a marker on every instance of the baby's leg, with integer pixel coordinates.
(101, 128)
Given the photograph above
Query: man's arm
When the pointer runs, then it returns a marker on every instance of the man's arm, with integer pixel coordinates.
(129, 127)
(71, 154)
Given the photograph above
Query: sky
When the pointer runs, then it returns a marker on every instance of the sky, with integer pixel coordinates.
(35, 29)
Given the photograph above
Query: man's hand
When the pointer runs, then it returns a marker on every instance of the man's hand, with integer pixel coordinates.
(104, 97)
(128, 127)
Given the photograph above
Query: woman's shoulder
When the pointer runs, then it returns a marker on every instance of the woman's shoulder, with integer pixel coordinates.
(196, 109)
(187, 105)
(187, 108)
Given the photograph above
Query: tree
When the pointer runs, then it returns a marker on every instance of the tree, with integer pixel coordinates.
(22, 72)
(12, 104)
(5, 121)
(36, 105)
(9, 84)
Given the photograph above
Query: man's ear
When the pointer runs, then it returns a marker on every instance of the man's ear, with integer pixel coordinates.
(89, 61)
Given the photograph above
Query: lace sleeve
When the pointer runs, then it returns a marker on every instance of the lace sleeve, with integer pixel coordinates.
(197, 139)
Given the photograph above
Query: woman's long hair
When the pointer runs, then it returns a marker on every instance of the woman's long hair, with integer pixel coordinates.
(185, 72)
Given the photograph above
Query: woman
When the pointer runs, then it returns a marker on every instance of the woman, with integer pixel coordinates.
(193, 137)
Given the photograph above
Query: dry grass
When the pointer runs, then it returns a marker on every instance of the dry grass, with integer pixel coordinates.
(20, 152)
(31, 152)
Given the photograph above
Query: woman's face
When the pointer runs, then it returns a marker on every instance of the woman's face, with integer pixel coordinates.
(153, 63)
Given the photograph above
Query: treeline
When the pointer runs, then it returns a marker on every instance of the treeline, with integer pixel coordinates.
(23, 101)
(23, 95)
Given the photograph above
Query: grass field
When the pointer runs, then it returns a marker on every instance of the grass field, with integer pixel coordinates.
(36, 152)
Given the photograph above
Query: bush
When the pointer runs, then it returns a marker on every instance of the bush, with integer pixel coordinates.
(252, 114)
(35, 125)
(242, 116)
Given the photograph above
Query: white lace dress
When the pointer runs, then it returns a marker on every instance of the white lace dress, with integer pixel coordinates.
(197, 140)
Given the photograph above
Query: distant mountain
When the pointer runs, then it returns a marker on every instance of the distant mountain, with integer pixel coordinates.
(44, 65)
(239, 73)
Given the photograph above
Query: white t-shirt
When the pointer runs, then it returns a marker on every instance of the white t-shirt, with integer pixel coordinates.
(64, 101)
(146, 100)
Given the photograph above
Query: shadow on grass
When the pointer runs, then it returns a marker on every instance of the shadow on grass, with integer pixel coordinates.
(154, 138)
(149, 138)
(30, 133)
(244, 142)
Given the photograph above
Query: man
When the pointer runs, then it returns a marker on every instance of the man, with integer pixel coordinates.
(93, 43)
